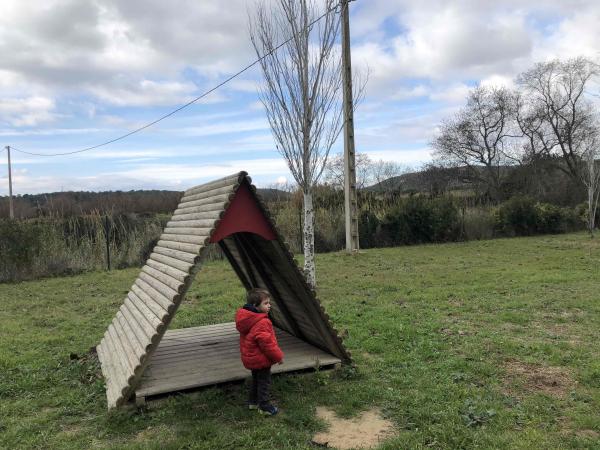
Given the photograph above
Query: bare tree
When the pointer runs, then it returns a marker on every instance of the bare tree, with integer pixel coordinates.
(368, 172)
(384, 174)
(480, 137)
(334, 171)
(301, 92)
(591, 177)
(553, 112)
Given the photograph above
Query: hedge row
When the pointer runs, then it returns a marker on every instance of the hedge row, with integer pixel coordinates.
(45, 247)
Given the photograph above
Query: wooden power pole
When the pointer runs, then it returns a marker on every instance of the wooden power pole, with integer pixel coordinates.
(350, 198)
(10, 197)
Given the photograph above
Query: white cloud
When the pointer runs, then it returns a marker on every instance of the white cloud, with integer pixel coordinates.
(66, 46)
(145, 93)
(244, 85)
(411, 92)
(496, 80)
(29, 111)
(407, 157)
(50, 132)
(455, 93)
(196, 173)
(466, 40)
(578, 34)
(449, 41)
(148, 176)
(223, 127)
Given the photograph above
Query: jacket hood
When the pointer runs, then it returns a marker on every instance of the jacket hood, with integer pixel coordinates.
(251, 307)
(245, 319)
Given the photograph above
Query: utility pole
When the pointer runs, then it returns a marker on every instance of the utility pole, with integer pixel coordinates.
(350, 198)
(10, 199)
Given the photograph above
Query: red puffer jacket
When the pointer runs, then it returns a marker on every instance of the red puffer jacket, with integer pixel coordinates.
(258, 344)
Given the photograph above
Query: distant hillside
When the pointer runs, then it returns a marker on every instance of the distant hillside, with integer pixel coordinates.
(407, 182)
(427, 180)
(65, 204)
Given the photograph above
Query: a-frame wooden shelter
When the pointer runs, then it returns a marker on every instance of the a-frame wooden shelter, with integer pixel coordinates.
(140, 357)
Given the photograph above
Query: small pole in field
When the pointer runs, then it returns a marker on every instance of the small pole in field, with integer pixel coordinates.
(10, 195)
(107, 235)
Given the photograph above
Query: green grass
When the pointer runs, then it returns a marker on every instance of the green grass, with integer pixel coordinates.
(490, 344)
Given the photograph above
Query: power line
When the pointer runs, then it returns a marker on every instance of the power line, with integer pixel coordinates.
(191, 102)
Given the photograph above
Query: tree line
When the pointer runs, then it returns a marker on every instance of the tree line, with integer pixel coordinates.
(547, 125)
(73, 204)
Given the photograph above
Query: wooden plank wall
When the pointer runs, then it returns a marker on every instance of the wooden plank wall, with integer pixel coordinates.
(139, 325)
(144, 316)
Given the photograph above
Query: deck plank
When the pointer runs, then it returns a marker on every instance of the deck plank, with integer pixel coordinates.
(209, 355)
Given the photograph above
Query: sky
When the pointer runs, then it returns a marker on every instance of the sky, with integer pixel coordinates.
(76, 73)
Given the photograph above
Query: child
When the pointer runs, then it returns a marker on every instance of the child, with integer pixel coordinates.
(258, 347)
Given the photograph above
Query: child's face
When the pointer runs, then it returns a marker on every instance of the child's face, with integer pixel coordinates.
(265, 305)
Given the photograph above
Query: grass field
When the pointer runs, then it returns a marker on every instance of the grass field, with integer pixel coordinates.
(489, 344)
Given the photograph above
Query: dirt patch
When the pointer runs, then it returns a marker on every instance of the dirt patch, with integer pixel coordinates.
(455, 302)
(365, 431)
(554, 381)
(370, 356)
(574, 313)
(562, 331)
(71, 431)
(587, 434)
(162, 433)
(451, 332)
(566, 428)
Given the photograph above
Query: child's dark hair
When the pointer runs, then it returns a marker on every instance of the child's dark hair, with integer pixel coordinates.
(256, 296)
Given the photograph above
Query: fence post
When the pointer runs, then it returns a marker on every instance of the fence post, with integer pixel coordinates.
(107, 236)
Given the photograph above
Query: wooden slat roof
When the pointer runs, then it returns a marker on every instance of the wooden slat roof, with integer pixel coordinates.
(139, 325)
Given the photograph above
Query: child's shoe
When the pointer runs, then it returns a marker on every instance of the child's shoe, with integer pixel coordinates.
(268, 410)
(252, 406)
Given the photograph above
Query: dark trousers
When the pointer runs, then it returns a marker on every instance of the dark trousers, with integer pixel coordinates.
(259, 389)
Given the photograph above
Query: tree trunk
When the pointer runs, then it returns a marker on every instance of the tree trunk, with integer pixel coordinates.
(591, 210)
(309, 239)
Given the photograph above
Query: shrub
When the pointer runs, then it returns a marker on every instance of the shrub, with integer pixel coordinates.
(478, 223)
(20, 243)
(522, 216)
(517, 217)
(289, 223)
(330, 233)
(417, 220)
(446, 223)
(368, 223)
(47, 247)
(550, 218)
(581, 215)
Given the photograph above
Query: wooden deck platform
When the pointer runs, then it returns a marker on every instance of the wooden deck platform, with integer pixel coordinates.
(201, 356)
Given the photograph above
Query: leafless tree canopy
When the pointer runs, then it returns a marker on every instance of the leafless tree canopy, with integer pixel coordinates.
(550, 121)
(480, 136)
(384, 174)
(334, 171)
(368, 172)
(302, 82)
(553, 112)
